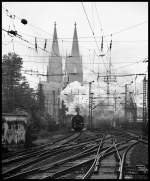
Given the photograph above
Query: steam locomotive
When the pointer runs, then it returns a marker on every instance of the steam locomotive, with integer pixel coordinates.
(77, 122)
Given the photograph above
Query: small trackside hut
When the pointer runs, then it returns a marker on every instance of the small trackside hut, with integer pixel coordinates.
(14, 127)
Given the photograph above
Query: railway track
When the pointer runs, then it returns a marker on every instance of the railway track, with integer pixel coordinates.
(19, 160)
(102, 156)
(15, 164)
(90, 164)
(40, 149)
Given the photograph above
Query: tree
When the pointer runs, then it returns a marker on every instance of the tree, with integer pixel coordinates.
(15, 89)
(11, 67)
(17, 94)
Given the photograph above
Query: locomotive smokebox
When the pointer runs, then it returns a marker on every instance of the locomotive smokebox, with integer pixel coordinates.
(77, 122)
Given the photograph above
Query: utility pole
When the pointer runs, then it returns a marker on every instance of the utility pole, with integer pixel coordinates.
(125, 115)
(54, 105)
(91, 107)
(58, 106)
(109, 78)
(144, 102)
(90, 104)
(115, 97)
(126, 102)
(114, 121)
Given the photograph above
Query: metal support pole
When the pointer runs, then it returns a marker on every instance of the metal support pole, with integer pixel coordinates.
(58, 107)
(147, 104)
(54, 104)
(90, 105)
(125, 102)
(115, 102)
(91, 110)
(144, 101)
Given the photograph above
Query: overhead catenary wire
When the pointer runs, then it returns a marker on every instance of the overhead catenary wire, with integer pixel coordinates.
(121, 58)
(28, 23)
(27, 41)
(36, 46)
(102, 29)
(92, 30)
(14, 33)
(128, 28)
(80, 41)
(87, 63)
(119, 75)
(105, 35)
(99, 21)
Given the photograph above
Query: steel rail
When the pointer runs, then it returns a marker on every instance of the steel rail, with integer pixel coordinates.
(57, 163)
(35, 152)
(95, 160)
(62, 161)
(122, 162)
(35, 159)
(44, 155)
(95, 166)
(51, 165)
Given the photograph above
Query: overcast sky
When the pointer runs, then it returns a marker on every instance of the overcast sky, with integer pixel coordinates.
(129, 42)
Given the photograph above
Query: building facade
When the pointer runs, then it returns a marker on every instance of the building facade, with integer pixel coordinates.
(14, 128)
(56, 78)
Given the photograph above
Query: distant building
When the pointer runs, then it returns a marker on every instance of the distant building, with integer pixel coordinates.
(14, 128)
(54, 69)
(56, 79)
(53, 85)
(74, 68)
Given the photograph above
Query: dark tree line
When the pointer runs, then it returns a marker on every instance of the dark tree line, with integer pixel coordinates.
(17, 94)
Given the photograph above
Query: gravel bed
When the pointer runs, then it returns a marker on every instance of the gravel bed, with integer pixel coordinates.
(139, 156)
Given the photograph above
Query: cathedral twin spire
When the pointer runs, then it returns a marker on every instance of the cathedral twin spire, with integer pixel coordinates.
(55, 47)
(75, 46)
(73, 64)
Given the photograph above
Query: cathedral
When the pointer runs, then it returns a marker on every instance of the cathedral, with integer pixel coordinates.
(56, 78)
(74, 61)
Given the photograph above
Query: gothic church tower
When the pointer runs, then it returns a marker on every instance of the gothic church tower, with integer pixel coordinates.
(74, 62)
(53, 85)
(55, 61)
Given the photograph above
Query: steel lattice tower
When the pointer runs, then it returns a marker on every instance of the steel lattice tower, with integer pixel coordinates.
(144, 101)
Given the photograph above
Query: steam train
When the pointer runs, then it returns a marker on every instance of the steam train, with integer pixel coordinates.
(77, 122)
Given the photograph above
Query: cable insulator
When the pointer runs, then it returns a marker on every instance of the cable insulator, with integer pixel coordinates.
(35, 44)
(111, 42)
(102, 44)
(12, 32)
(24, 21)
(45, 44)
(98, 77)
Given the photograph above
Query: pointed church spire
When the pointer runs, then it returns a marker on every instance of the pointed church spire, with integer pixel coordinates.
(55, 47)
(75, 46)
